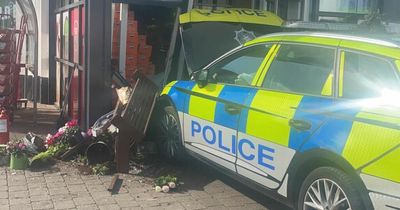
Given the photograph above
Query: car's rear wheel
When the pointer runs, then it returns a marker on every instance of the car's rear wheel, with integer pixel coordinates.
(169, 138)
(328, 188)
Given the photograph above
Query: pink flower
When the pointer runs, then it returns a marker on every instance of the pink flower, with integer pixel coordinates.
(72, 123)
(62, 129)
(58, 134)
(89, 132)
(50, 141)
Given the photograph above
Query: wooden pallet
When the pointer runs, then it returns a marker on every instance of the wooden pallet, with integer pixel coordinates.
(133, 119)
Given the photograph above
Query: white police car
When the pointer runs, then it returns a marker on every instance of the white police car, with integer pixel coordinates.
(310, 119)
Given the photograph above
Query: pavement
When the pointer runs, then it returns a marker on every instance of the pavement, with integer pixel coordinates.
(63, 186)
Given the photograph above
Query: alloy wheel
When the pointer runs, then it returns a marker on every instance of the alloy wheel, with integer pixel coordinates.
(325, 194)
(170, 134)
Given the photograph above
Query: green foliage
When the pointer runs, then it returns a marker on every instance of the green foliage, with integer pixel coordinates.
(42, 157)
(58, 148)
(164, 180)
(102, 169)
(53, 150)
(82, 159)
(69, 134)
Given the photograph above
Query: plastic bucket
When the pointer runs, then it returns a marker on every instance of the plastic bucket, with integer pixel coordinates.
(18, 162)
(98, 152)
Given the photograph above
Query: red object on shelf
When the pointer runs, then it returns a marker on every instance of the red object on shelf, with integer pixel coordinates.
(138, 52)
(11, 42)
(4, 127)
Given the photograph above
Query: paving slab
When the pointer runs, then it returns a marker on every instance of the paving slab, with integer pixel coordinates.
(62, 186)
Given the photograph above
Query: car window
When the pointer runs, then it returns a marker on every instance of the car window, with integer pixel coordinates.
(239, 68)
(301, 69)
(368, 76)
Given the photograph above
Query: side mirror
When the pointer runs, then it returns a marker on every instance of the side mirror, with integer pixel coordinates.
(201, 77)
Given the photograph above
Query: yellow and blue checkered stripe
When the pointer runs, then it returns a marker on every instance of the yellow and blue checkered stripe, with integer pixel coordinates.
(208, 103)
(350, 132)
(179, 91)
(373, 145)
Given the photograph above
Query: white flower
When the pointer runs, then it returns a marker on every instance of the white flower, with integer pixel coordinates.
(158, 189)
(172, 185)
(48, 136)
(62, 129)
(165, 188)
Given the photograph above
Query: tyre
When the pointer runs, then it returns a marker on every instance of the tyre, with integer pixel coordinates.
(168, 137)
(328, 188)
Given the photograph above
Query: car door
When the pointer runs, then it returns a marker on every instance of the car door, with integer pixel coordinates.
(211, 122)
(369, 92)
(292, 91)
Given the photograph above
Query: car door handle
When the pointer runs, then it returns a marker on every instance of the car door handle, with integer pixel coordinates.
(232, 109)
(300, 125)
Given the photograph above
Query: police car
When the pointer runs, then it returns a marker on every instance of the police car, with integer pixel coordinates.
(310, 119)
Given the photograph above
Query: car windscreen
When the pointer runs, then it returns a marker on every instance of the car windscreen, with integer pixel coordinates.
(206, 41)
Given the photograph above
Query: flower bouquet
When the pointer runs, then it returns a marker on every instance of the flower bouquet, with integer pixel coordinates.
(166, 183)
(68, 134)
(18, 158)
(66, 137)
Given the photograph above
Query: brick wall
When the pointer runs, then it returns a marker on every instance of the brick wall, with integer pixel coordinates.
(138, 52)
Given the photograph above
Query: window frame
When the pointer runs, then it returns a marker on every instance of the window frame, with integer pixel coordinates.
(233, 51)
(388, 60)
(66, 63)
(335, 69)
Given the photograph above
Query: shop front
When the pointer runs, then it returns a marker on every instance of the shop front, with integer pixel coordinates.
(80, 73)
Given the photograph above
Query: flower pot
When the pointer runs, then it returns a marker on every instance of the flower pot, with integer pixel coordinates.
(19, 162)
(99, 152)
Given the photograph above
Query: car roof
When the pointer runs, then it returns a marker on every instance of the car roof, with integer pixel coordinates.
(387, 45)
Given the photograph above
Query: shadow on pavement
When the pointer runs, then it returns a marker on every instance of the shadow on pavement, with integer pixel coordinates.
(198, 176)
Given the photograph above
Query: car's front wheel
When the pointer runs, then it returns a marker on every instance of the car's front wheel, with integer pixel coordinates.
(328, 188)
(169, 138)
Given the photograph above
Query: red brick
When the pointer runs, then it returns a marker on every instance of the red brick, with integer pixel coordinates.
(133, 35)
(142, 63)
(132, 23)
(131, 61)
(132, 52)
(132, 42)
(142, 39)
(145, 52)
(115, 44)
(129, 71)
(132, 31)
(115, 55)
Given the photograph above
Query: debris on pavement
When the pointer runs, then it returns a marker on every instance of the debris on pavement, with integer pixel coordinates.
(166, 183)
